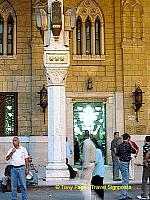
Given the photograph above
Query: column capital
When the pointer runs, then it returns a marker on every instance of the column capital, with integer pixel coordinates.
(56, 76)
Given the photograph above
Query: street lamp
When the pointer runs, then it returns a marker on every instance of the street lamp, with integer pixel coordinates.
(43, 100)
(89, 84)
(138, 101)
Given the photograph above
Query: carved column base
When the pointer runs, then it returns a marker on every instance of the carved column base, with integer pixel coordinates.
(57, 172)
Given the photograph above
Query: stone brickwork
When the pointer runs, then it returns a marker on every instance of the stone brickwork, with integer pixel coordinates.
(38, 79)
(126, 63)
(15, 72)
(101, 72)
(24, 73)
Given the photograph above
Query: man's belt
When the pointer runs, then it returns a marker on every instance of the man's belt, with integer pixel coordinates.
(18, 166)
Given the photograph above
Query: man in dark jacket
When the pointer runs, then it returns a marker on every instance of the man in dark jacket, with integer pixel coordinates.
(114, 144)
(124, 151)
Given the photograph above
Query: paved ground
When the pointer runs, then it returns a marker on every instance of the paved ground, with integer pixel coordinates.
(107, 178)
(47, 193)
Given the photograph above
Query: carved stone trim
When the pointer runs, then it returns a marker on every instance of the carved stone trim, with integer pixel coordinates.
(56, 76)
(89, 8)
(6, 9)
(130, 7)
(39, 3)
(55, 58)
(131, 2)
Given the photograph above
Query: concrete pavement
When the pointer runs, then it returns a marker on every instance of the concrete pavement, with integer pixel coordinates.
(47, 193)
(107, 178)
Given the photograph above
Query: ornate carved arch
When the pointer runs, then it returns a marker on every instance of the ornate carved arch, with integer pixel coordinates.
(6, 9)
(39, 3)
(132, 20)
(127, 19)
(138, 21)
(132, 3)
(91, 9)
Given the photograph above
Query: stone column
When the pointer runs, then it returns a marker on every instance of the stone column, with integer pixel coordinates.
(93, 38)
(56, 62)
(56, 168)
(84, 39)
(102, 39)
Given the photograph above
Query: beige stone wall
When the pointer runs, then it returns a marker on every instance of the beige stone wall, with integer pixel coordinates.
(38, 79)
(135, 72)
(126, 62)
(25, 72)
(135, 68)
(146, 5)
(101, 72)
(15, 73)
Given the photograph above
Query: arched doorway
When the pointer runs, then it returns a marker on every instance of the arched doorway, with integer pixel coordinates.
(89, 116)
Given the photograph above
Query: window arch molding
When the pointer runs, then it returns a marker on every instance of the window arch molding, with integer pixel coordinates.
(89, 9)
(133, 21)
(8, 14)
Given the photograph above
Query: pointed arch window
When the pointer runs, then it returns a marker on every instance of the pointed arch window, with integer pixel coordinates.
(7, 30)
(10, 27)
(88, 36)
(97, 36)
(79, 36)
(1, 34)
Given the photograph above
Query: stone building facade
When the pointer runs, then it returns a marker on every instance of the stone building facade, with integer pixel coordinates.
(108, 43)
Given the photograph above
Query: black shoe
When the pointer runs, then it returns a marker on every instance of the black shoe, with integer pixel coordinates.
(117, 179)
(3, 188)
(18, 190)
(128, 198)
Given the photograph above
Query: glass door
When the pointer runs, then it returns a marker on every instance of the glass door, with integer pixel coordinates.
(89, 116)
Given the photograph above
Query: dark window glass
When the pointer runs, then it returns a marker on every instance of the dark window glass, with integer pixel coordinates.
(8, 113)
(97, 36)
(88, 36)
(10, 24)
(1, 34)
(79, 35)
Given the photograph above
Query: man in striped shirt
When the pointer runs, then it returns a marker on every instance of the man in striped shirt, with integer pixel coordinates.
(146, 169)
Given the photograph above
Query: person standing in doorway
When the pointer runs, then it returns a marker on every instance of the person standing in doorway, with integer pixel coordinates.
(89, 156)
(68, 151)
(114, 145)
(18, 158)
(124, 151)
(76, 150)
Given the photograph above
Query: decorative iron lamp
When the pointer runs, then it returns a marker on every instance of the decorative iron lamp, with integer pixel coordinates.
(138, 100)
(43, 100)
(89, 84)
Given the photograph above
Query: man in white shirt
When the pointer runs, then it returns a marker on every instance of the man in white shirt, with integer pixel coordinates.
(88, 163)
(18, 158)
(89, 156)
